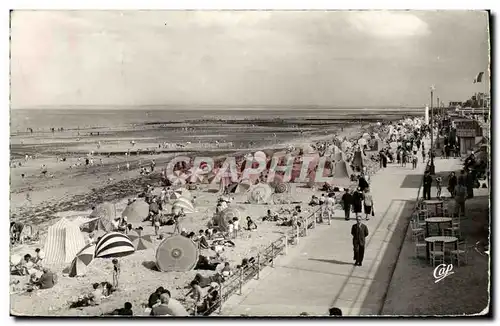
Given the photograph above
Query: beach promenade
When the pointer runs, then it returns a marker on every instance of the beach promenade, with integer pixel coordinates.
(319, 272)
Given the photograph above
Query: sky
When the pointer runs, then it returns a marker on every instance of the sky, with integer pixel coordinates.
(245, 58)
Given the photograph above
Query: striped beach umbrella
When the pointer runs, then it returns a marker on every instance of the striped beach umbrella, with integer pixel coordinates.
(139, 240)
(184, 203)
(181, 192)
(82, 259)
(281, 188)
(178, 178)
(114, 244)
(243, 186)
(176, 254)
(260, 193)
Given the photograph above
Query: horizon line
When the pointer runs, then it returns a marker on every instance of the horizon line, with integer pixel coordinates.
(222, 107)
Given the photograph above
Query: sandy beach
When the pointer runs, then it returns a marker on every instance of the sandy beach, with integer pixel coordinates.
(70, 191)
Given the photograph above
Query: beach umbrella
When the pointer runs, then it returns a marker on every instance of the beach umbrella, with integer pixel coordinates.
(260, 193)
(184, 203)
(260, 155)
(178, 178)
(136, 212)
(140, 241)
(176, 254)
(114, 244)
(181, 192)
(105, 213)
(362, 142)
(243, 186)
(82, 259)
(281, 187)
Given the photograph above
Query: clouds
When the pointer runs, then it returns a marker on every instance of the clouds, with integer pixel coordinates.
(240, 58)
(387, 24)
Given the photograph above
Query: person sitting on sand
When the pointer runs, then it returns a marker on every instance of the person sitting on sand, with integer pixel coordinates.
(196, 292)
(115, 224)
(154, 298)
(40, 255)
(208, 233)
(314, 201)
(202, 241)
(125, 311)
(169, 307)
(226, 271)
(334, 311)
(270, 216)
(15, 230)
(27, 266)
(251, 224)
(184, 233)
(47, 280)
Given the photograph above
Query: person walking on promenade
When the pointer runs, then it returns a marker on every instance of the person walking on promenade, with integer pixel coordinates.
(439, 181)
(452, 183)
(359, 232)
(347, 204)
(362, 183)
(357, 201)
(460, 197)
(368, 204)
(427, 185)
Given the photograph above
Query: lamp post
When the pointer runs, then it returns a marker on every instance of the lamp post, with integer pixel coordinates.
(438, 145)
(432, 168)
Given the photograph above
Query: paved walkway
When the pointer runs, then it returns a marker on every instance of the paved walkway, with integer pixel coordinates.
(319, 272)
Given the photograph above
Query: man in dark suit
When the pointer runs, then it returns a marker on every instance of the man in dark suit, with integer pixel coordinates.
(359, 232)
(427, 185)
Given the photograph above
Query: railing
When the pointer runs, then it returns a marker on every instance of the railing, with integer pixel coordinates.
(235, 282)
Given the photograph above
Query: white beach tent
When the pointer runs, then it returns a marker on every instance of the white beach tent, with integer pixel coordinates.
(64, 241)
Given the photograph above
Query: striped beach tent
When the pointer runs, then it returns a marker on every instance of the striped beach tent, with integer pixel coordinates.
(114, 244)
(139, 240)
(82, 259)
(183, 203)
(64, 241)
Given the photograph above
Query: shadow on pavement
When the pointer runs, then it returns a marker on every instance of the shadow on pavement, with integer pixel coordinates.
(414, 180)
(332, 261)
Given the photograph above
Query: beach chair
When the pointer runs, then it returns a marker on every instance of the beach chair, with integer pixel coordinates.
(420, 246)
(460, 252)
(416, 230)
(455, 229)
(436, 253)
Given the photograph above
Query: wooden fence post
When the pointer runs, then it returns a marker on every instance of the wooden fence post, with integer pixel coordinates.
(241, 279)
(221, 297)
(272, 254)
(258, 264)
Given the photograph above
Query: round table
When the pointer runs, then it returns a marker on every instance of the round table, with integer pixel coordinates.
(437, 220)
(435, 203)
(441, 238)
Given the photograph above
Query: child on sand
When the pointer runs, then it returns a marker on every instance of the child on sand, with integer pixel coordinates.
(116, 272)
(236, 226)
(156, 223)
